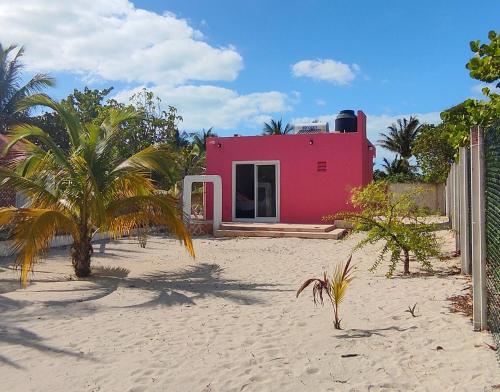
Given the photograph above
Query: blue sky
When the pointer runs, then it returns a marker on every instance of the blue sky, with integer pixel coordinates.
(234, 64)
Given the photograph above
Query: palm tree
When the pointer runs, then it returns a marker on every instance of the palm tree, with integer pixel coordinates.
(12, 91)
(178, 139)
(200, 138)
(397, 166)
(85, 189)
(401, 137)
(335, 288)
(276, 128)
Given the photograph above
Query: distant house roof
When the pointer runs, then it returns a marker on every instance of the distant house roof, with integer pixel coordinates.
(7, 194)
(14, 152)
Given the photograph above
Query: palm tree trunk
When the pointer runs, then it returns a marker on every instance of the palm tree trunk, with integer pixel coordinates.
(81, 253)
(406, 262)
(336, 322)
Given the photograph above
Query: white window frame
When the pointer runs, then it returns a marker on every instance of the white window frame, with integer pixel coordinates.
(233, 193)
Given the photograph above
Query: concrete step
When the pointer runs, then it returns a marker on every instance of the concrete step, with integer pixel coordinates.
(285, 227)
(334, 234)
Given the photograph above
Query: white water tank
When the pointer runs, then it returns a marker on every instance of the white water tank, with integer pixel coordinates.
(313, 127)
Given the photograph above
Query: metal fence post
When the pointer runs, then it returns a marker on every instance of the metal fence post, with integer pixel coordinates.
(478, 230)
(456, 205)
(448, 196)
(452, 196)
(464, 232)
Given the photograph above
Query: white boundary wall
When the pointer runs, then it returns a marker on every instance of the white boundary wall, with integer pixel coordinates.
(57, 242)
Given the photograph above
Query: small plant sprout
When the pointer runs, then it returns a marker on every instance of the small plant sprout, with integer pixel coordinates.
(411, 310)
(335, 288)
(142, 236)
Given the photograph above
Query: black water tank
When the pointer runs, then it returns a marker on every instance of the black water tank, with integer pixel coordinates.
(346, 121)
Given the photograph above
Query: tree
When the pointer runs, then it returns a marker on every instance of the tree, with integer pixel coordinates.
(86, 189)
(276, 128)
(397, 170)
(379, 175)
(200, 138)
(396, 221)
(52, 124)
(401, 137)
(335, 288)
(151, 126)
(434, 153)
(12, 91)
(154, 126)
(485, 67)
(89, 106)
(396, 166)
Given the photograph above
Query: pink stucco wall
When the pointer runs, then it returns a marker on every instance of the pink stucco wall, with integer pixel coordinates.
(306, 194)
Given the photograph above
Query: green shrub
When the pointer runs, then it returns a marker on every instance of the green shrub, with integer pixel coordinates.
(394, 219)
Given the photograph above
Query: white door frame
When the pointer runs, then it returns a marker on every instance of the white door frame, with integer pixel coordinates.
(186, 197)
(233, 193)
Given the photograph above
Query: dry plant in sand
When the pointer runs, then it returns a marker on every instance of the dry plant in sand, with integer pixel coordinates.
(335, 288)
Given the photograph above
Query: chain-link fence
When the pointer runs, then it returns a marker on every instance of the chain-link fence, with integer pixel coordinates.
(492, 215)
(473, 206)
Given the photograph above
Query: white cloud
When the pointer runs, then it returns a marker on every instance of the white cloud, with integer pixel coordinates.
(114, 40)
(377, 124)
(222, 108)
(477, 90)
(326, 70)
(320, 102)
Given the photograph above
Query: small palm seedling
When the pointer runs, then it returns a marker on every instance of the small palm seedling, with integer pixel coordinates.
(142, 236)
(411, 310)
(335, 288)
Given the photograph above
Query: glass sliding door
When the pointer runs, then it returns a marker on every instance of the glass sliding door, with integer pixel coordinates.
(245, 192)
(255, 191)
(266, 191)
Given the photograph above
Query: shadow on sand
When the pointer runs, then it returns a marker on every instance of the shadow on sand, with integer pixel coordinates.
(23, 337)
(161, 288)
(183, 287)
(366, 333)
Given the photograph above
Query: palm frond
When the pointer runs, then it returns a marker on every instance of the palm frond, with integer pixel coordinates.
(401, 136)
(156, 158)
(65, 112)
(342, 277)
(38, 193)
(25, 132)
(32, 233)
(276, 128)
(318, 287)
(151, 210)
(33, 86)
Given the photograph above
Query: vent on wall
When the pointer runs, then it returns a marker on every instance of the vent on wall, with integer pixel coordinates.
(322, 166)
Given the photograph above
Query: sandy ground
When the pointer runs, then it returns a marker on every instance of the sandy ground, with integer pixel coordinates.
(155, 320)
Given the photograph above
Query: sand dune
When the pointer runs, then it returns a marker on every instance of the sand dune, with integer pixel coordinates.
(155, 320)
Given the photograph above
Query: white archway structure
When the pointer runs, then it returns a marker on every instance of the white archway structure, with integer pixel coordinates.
(186, 196)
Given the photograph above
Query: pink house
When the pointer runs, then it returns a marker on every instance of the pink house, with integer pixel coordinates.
(296, 178)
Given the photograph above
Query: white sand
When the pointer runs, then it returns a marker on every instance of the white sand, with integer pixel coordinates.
(154, 320)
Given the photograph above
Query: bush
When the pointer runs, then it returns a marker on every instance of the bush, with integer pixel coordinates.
(394, 219)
